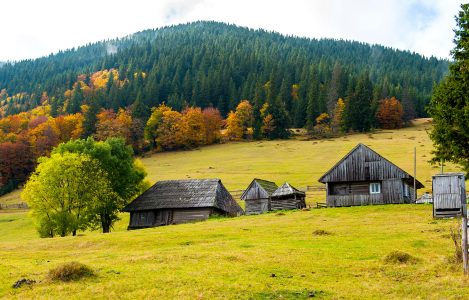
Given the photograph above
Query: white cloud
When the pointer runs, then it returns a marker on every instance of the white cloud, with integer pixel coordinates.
(34, 28)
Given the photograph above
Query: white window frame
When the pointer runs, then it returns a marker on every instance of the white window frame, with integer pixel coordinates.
(373, 189)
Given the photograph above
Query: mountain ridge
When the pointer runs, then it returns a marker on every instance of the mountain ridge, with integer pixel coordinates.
(218, 64)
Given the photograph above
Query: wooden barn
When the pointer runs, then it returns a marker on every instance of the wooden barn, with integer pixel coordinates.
(287, 197)
(449, 194)
(181, 201)
(363, 177)
(257, 196)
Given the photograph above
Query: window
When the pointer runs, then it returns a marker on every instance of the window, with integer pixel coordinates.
(375, 188)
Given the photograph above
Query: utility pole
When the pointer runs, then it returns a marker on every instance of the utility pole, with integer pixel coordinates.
(415, 174)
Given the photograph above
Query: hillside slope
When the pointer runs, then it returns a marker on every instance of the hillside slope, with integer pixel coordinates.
(210, 63)
(269, 256)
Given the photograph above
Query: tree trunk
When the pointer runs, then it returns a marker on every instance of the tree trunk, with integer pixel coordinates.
(106, 223)
(74, 233)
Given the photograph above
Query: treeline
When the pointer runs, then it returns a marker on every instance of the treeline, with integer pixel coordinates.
(209, 64)
(27, 136)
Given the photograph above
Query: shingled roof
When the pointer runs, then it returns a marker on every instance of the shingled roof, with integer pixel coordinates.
(286, 189)
(186, 194)
(268, 186)
(351, 167)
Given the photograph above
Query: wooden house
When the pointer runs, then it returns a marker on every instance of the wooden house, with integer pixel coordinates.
(181, 201)
(449, 194)
(364, 177)
(287, 197)
(257, 196)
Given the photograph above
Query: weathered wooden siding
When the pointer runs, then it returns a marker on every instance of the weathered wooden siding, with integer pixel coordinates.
(190, 215)
(363, 165)
(358, 193)
(279, 204)
(144, 218)
(446, 192)
(353, 200)
(256, 192)
(257, 206)
(152, 218)
(393, 191)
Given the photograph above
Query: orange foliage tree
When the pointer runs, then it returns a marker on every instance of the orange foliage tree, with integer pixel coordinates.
(213, 123)
(234, 127)
(69, 127)
(193, 127)
(170, 133)
(390, 113)
(110, 124)
(153, 123)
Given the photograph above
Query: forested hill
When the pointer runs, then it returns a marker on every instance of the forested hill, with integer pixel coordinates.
(215, 64)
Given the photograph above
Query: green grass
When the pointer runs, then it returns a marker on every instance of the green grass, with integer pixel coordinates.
(268, 257)
(325, 253)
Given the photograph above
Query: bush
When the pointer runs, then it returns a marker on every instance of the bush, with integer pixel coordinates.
(399, 257)
(321, 232)
(70, 271)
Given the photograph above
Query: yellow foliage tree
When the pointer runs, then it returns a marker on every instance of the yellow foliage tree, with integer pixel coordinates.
(194, 127)
(234, 127)
(170, 133)
(338, 117)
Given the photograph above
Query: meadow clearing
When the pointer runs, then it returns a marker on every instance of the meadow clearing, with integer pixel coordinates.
(326, 253)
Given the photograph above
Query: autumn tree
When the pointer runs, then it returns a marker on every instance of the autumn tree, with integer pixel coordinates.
(234, 127)
(213, 124)
(111, 124)
(170, 133)
(389, 114)
(193, 127)
(44, 137)
(153, 123)
(69, 127)
(16, 162)
(337, 123)
(244, 114)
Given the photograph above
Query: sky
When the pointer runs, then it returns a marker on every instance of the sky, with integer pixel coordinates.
(33, 28)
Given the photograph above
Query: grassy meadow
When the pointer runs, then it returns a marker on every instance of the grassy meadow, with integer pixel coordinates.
(334, 253)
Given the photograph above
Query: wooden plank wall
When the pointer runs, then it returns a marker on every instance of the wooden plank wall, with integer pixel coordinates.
(279, 204)
(364, 165)
(190, 215)
(256, 192)
(446, 192)
(353, 200)
(256, 206)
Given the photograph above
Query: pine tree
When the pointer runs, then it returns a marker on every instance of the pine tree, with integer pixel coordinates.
(359, 109)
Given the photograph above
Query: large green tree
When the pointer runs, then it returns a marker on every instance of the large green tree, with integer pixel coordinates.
(125, 174)
(65, 191)
(450, 101)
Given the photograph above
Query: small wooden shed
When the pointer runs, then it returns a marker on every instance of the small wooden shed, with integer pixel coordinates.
(363, 177)
(287, 197)
(449, 194)
(181, 201)
(257, 196)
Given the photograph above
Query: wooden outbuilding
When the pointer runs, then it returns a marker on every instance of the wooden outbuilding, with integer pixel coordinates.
(257, 196)
(363, 177)
(287, 197)
(449, 194)
(181, 201)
